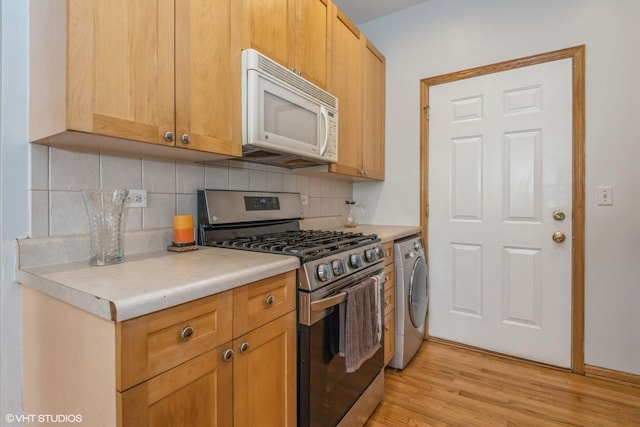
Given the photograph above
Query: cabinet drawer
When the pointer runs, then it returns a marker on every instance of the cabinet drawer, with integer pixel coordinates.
(151, 344)
(260, 302)
(388, 252)
(389, 337)
(389, 276)
(389, 301)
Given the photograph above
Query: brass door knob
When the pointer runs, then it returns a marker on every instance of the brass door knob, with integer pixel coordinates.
(558, 215)
(559, 237)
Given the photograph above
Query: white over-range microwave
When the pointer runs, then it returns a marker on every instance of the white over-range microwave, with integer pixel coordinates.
(286, 120)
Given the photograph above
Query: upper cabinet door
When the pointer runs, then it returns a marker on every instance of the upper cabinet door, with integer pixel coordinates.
(346, 84)
(208, 76)
(120, 68)
(312, 40)
(373, 86)
(294, 33)
(268, 28)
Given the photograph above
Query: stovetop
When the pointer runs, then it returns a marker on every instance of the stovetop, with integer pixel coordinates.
(269, 222)
(308, 245)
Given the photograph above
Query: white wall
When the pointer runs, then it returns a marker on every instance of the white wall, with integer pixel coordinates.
(14, 169)
(443, 36)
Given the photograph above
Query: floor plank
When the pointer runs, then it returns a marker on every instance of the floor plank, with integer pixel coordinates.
(450, 386)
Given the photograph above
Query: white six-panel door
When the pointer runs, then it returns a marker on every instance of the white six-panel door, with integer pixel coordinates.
(500, 165)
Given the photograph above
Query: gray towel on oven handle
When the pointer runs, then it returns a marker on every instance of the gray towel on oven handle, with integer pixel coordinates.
(360, 324)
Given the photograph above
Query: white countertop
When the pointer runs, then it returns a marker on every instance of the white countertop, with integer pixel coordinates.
(386, 233)
(152, 281)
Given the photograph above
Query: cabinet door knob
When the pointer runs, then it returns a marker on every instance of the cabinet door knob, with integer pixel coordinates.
(244, 347)
(386, 328)
(227, 355)
(185, 138)
(270, 300)
(186, 333)
(169, 136)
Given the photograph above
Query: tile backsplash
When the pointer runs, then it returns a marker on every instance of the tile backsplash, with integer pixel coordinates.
(58, 175)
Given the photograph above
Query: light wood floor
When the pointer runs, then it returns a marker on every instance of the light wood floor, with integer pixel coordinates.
(448, 386)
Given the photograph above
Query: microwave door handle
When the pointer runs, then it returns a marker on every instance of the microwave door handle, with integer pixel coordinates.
(325, 116)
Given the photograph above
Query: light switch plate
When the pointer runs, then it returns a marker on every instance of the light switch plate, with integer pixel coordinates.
(605, 195)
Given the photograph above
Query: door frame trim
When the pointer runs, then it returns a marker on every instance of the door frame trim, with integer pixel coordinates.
(577, 56)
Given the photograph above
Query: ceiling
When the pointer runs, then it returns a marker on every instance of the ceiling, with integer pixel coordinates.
(361, 11)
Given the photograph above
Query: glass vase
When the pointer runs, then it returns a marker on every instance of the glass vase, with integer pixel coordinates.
(106, 229)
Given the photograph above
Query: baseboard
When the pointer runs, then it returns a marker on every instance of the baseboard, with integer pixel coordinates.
(494, 353)
(619, 377)
(625, 378)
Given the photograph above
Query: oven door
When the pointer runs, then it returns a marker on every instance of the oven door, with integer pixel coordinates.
(326, 390)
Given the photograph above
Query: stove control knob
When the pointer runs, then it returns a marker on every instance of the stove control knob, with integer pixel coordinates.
(323, 272)
(337, 266)
(356, 260)
(380, 252)
(370, 255)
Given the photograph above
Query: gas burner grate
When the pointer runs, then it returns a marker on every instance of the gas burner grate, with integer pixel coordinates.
(305, 244)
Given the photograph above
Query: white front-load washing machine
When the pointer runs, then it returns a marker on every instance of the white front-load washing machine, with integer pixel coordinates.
(412, 298)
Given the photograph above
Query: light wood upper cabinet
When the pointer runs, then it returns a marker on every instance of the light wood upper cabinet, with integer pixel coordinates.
(373, 108)
(313, 35)
(155, 71)
(294, 33)
(358, 80)
(208, 77)
(345, 83)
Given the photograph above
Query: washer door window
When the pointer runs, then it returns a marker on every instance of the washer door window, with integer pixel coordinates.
(418, 295)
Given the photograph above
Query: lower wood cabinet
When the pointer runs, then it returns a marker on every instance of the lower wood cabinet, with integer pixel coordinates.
(186, 365)
(264, 375)
(196, 393)
(249, 382)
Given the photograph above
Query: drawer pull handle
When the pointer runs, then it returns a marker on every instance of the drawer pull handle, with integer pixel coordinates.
(227, 355)
(186, 333)
(270, 300)
(244, 347)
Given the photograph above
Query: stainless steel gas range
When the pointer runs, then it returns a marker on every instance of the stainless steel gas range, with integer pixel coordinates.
(333, 265)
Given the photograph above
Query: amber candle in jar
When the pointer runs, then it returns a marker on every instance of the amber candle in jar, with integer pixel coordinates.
(183, 230)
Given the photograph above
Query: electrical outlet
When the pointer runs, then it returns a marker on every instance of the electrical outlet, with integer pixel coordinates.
(605, 195)
(136, 199)
(304, 199)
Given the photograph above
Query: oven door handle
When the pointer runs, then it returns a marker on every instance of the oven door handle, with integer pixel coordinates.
(325, 303)
(339, 298)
